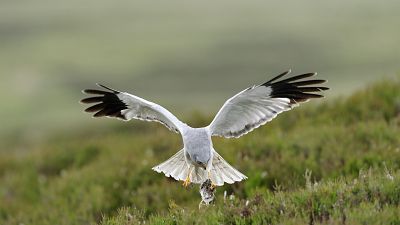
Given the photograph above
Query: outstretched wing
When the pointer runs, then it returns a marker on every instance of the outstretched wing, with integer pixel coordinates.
(125, 106)
(259, 104)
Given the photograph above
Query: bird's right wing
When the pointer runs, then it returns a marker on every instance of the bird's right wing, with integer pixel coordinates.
(125, 106)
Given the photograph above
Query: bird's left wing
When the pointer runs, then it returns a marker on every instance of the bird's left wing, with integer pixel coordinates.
(259, 104)
(125, 106)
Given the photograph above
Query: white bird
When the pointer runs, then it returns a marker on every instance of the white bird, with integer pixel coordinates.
(244, 112)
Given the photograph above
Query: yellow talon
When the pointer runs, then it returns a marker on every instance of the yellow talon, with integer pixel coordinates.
(187, 181)
(213, 185)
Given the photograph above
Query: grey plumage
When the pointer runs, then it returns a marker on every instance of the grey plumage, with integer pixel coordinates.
(244, 112)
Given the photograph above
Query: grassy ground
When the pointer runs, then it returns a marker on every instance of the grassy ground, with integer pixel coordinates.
(337, 162)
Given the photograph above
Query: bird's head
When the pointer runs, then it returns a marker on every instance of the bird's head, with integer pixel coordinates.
(201, 159)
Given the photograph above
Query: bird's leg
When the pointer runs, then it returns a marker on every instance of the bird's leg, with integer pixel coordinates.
(209, 168)
(186, 182)
(213, 185)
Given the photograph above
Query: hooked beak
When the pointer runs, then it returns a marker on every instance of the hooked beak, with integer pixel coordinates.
(202, 165)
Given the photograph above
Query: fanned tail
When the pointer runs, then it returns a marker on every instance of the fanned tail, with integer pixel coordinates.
(177, 168)
(174, 167)
(223, 172)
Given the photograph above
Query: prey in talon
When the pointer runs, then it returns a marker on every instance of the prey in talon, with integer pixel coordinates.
(207, 192)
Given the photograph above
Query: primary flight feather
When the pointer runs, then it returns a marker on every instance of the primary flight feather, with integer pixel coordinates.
(244, 112)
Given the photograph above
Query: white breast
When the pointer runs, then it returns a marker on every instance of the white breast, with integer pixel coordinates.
(197, 141)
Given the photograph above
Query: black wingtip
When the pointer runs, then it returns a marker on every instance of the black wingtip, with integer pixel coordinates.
(106, 102)
(108, 88)
(94, 92)
(279, 76)
(92, 99)
(296, 88)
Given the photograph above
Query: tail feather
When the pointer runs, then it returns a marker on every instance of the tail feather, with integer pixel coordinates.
(198, 175)
(223, 172)
(220, 173)
(174, 167)
(180, 172)
(177, 168)
(226, 176)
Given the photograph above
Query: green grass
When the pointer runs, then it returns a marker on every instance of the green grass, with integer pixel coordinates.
(371, 198)
(337, 162)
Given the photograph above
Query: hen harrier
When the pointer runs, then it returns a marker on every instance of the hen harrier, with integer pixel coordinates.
(244, 112)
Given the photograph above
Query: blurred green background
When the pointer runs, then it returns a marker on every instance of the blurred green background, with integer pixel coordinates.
(60, 166)
(185, 55)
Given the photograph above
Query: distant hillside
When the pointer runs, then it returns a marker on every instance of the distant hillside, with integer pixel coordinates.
(185, 56)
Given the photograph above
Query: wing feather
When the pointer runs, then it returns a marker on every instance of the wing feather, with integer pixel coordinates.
(125, 106)
(259, 104)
